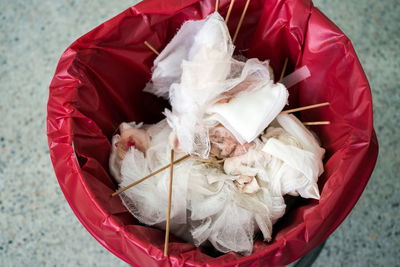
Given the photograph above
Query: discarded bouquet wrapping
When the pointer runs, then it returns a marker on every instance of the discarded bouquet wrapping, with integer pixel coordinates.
(99, 83)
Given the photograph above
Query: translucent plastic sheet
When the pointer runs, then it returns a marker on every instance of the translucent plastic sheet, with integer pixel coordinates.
(98, 84)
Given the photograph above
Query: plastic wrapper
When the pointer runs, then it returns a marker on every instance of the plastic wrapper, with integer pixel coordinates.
(99, 83)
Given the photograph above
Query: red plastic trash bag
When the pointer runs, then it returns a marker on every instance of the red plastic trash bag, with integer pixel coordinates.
(98, 84)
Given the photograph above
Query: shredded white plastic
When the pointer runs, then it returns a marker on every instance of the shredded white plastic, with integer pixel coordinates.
(297, 76)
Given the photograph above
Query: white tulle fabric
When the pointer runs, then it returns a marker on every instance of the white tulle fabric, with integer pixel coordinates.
(196, 70)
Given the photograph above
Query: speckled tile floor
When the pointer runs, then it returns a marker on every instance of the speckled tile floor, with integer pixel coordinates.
(37, 227)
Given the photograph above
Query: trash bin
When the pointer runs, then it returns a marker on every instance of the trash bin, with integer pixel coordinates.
(98, 84)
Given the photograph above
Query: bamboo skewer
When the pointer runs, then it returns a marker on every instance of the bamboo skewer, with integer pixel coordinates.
(241, 20)
(119, 191)
(284, 69)
(167, 226)
(317, 123)
(228, 14)
(214, 161)
(216, 5)
(305, 108)
(151, 48)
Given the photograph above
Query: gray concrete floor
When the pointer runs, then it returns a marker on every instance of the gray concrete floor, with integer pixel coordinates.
(37, 227)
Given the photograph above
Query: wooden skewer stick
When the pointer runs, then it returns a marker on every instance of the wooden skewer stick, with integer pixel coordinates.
(216, 5)
(284, 69)
(229, 11)
(151, 47)
(317, 123)
(305, 108)
(167, 226)
(119, 191)
(241, 20)
(209, 160)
